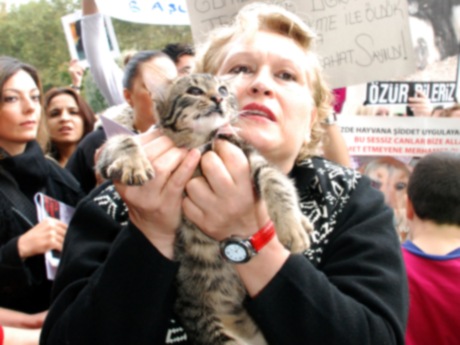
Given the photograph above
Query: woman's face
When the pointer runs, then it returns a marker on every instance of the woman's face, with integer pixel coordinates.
(273, 93)
(393, 184)
(19, 112)
(154, 72)
(65, 124)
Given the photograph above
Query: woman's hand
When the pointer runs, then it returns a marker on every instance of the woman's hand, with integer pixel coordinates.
(47, 235)
(76, 71)
(14, 318)
(155, 208)
(222, 202)
(420, 104)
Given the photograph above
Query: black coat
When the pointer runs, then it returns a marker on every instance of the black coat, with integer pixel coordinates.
(114, 287)
(23, 284)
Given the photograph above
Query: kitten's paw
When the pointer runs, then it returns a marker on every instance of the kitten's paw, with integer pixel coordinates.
(296, 239)
(133, 171)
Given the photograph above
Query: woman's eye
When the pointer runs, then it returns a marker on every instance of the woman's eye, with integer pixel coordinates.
(193, 90)
(239, 69)
(55, 113)
(287, 76)
(10, 99)
(400, 185)
(36, 98)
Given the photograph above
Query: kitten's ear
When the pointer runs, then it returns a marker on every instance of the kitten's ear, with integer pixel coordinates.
(158, 86)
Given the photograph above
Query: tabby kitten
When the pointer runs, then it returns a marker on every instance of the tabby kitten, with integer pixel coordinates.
(210, 294)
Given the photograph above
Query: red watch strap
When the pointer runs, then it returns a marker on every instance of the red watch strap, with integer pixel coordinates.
(263, 236)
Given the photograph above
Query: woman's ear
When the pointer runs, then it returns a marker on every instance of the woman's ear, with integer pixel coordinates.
(410, 214)
(127, 95)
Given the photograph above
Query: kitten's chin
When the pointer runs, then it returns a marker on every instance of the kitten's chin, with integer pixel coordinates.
(209, 124)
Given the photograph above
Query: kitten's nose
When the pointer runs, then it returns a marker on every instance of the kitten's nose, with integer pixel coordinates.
(216, 99)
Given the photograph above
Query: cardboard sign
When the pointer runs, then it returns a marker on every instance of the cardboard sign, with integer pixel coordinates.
(399, 136)
(359, 40)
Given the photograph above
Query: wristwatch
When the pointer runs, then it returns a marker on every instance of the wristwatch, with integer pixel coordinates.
(238, 250)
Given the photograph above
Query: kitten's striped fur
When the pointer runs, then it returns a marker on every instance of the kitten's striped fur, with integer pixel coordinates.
(210, 294)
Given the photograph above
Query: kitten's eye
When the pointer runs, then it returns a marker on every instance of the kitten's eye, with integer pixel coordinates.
(223, 91)
(193, 90)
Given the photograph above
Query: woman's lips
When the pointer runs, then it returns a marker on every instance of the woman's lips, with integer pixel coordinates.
(255, 109)
(28, 123)
(65, 129)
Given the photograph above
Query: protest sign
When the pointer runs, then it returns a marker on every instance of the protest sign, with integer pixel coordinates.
(158, 12)
(358, 40)
(71, 24)
(399, 136)
(388, 92)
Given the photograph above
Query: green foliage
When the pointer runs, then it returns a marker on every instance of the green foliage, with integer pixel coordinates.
(33, 33)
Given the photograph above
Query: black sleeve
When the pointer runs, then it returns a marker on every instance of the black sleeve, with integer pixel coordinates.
(112, 286)
(81, 163)
(13, 272)
(357, 295)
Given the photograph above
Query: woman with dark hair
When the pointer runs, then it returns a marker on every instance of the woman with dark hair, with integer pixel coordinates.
(24, 171)
(69, 118)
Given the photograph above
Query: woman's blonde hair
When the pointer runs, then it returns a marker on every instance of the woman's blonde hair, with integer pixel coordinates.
(267, 17)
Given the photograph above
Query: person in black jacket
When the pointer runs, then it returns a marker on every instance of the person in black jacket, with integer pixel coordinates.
(116, 281)
(24, 171)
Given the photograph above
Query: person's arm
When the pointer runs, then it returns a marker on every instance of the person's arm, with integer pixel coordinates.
(420, 104)
(357, 294)
(113, 281)
(108, 76)
(14, 318)
(76, 72)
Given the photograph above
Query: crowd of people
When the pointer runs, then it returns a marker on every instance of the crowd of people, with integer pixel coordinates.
(359, 282)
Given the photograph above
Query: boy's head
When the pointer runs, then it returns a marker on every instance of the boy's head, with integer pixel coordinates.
(434, 188)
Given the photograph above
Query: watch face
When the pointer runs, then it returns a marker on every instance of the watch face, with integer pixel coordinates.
(235, 252)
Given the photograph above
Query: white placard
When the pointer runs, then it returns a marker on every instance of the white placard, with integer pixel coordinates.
(359, 40)
(159, 12)
(399, 136)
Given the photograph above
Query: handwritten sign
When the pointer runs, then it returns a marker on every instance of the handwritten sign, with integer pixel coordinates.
(387, 92)
(159, 12)
(399, 136)
(359, 40)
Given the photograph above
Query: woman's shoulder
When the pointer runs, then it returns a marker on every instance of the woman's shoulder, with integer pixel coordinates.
(328, 179)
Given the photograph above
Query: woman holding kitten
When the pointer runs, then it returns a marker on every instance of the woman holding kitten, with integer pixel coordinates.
(349, 287)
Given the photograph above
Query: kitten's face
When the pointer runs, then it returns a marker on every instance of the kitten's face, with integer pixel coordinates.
(200, 103)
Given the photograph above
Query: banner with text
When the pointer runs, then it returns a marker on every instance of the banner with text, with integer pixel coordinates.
(159, 12)
(388, 92)
(399, 136)
(359, 40)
